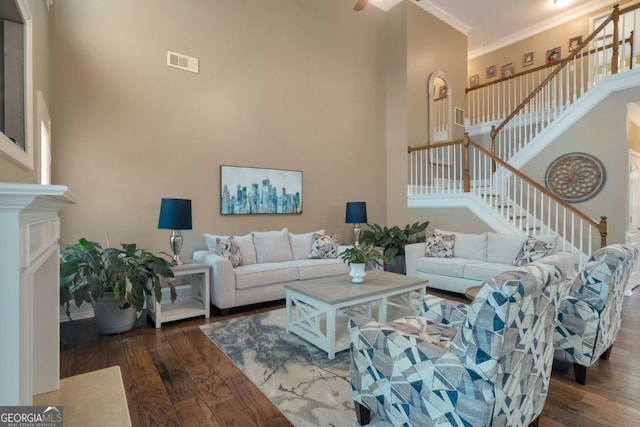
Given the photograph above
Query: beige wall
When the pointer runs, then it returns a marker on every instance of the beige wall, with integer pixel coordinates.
(10, 171)
(413, 58)
(289, 85)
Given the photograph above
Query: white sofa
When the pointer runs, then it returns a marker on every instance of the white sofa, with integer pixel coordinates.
(270, 259)
(478, 257)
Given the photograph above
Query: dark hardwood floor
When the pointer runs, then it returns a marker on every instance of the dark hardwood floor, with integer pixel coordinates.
(175, 376)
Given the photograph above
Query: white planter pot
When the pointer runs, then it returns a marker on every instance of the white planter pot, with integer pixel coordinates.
(111, 319)
(357, 273)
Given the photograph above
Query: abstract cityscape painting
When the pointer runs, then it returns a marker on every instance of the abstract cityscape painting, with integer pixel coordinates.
(247, 190)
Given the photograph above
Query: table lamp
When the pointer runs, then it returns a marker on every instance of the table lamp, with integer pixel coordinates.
(175, 215)
(356, 214)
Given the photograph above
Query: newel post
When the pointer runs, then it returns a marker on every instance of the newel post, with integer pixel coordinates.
(602, 227)
(615, 17)
(493, 147)
(467, 179)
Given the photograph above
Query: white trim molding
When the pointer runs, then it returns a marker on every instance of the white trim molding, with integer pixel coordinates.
(8, 148)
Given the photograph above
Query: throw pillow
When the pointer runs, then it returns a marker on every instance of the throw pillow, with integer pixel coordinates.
(440, 245)
(272, 246)
(532, 250)
(467, 245)
(503, 248)
(245, 243)
(324, 246)
(301, 244)
(229, 249)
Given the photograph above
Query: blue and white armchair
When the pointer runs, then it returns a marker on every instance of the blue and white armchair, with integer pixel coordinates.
(488, 363)
(590, 313)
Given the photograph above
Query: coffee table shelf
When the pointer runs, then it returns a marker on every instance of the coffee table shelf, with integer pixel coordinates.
(317, 310)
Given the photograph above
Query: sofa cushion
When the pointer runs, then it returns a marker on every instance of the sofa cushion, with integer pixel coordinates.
(324, 246)
(245, 243)
(272, 246)
(503, 248)
(485, 270)
(229, 249)
(532, 250)
(250, 276)
(301, 244)
(312, 268)
(444, 266)
(471, 246)
(439, 245)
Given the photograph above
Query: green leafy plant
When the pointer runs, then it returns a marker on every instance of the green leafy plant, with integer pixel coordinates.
(87, 272)
(362, 254)
(394, 239)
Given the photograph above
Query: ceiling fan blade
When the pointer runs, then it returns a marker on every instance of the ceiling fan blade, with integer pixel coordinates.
(360, 4)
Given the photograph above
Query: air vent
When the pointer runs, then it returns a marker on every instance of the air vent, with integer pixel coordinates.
(459, 116)
(182, 62)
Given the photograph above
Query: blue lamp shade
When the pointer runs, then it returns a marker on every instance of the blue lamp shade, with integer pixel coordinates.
(175, 214)
(356, 213)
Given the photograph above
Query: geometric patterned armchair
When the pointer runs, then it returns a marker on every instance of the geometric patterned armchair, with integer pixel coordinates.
(486, 363)
(590, 312)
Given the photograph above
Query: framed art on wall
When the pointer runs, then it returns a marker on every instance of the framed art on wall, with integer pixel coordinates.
(491, 72)
(553, 55)
(249, 190)
(527, 59)
(574, 43)
(474, 80)
(507, 70)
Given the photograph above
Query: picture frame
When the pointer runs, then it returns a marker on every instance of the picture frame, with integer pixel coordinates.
(507, 70)
(474, 80)
(491, 72)
(575, 42)
(553, 55)
(442, 92)
(527, 59)
(259, 191)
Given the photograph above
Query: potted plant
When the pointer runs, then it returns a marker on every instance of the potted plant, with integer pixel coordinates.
(393, 240)
(358, 258)
(114, 281)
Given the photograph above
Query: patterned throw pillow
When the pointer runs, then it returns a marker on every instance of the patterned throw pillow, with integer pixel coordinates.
(324, 246)
(440, 245)
(532, 250)
(229, 249)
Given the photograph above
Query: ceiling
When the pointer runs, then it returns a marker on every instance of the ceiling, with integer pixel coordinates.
(492, 24)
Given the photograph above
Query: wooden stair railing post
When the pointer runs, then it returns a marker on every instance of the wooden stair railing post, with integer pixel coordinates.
(602, 227)
(467, 178)
(494, 132)
(615, 17)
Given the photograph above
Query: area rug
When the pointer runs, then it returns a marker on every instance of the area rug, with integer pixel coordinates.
(309, 389)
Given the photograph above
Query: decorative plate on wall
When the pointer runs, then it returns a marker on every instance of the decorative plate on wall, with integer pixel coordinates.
(575, 177)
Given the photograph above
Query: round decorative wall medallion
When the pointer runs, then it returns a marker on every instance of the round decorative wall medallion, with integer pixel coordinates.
(575, 177)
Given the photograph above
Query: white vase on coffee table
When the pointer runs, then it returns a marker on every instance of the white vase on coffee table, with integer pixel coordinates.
(357, 272)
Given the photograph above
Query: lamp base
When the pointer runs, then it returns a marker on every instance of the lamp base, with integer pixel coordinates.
(356, 233)
(175, 241)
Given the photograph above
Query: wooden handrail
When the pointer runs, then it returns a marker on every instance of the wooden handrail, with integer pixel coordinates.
(563, 63)
(542, 67)
(507, 166)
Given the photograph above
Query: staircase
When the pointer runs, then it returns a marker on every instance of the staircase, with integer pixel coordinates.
(464, 174)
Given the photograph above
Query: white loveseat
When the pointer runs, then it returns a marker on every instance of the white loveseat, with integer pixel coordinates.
(477, 257)
(269, 260)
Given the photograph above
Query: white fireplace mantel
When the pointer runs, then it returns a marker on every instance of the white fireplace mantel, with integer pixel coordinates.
(29, 290)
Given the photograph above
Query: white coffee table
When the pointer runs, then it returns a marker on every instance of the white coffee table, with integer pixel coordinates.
(318, 309)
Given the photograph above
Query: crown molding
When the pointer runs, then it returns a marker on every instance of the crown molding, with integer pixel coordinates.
(560, 19)
(454, 22)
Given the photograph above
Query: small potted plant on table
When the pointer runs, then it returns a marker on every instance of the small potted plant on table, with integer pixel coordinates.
(358, 258)
(114, 281)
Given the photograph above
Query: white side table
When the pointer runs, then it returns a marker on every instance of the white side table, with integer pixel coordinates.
(193, 275)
